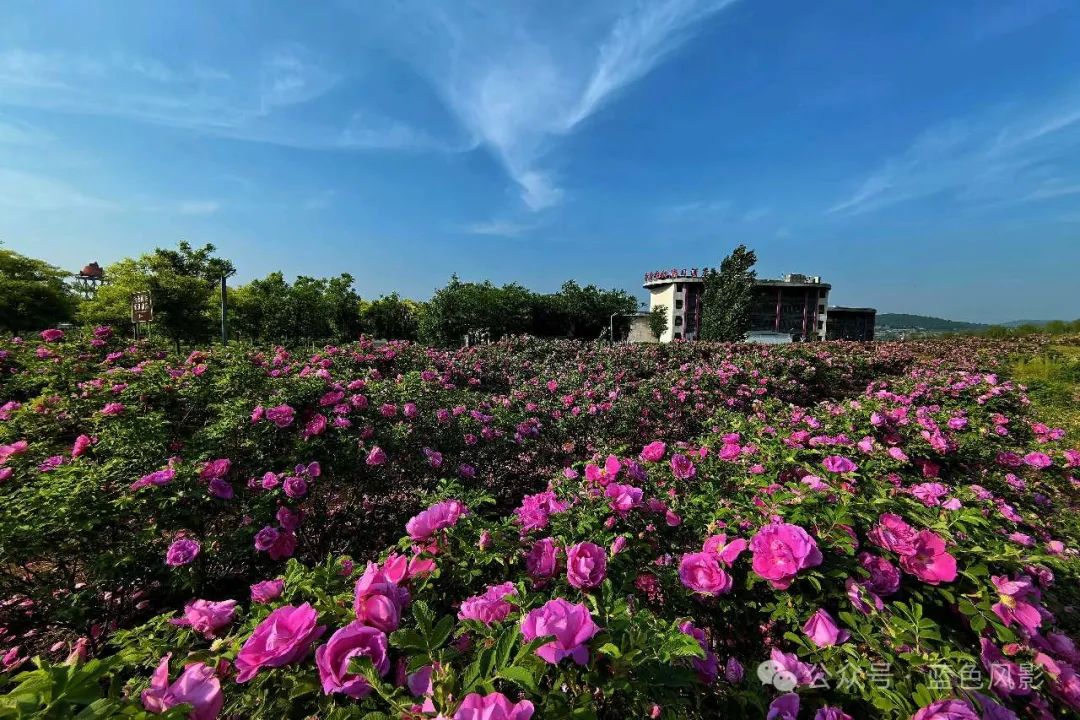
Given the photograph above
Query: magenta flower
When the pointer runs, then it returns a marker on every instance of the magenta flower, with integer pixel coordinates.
(653, 452)
(197, 686)
(839, 464)
(112, 408)
(728, 552)
(221, 488)
(569, 624)
(333, 658)
(206, 617)
(831, 713)
(535, 510)
(708, 667)
(215, 469)
(793, 670)
(182, 552)
(267, 591)
(785, 707)
(378, 600)
(315, 426)
(1038, 460)
(946, 710)
(681, 467)
(701, 572)
(377, 456)
(158, 477)
(1006, 677)
(823, 631)
(284, 637)
(439, 516)
(1014, 605)
(52, 335)
(265, 538)
(282, 415)
(82, 444)
(542, 560)
(884, 577)
(491, 606)
(624, 498)
(892, 533)
(930, 563)
(586, 565)
(780, 551)
(494, 706)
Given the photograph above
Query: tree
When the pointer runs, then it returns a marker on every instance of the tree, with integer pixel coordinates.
(183, 287)
(33, 295)
(391, 318)
(728, 296)
(658, 323)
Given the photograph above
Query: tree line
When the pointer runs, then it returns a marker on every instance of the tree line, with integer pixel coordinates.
(184, 284)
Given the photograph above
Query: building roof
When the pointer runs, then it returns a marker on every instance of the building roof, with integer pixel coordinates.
(843, 309)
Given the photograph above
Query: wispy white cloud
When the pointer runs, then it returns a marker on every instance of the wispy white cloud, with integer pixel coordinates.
(518, 82)
(199, 207)
(1012, 154)
(32, 191)
(499, 228)
(249, 104)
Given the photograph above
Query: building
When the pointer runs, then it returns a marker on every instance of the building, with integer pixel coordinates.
(680, 292)
(850, 323)
(795, 305)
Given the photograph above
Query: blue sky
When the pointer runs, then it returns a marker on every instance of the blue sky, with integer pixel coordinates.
(921, 156)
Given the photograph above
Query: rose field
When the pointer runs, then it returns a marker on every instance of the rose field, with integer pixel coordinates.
(534, 529)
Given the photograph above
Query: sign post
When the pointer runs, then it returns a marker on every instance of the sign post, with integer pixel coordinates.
(142, 310)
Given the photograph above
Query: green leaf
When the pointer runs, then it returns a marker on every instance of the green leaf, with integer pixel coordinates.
(519, 676)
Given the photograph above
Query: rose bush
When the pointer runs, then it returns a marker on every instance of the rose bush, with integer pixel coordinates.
(823, 531)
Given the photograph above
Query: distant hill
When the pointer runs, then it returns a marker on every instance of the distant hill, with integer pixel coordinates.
(1018, 323)
(902, 321)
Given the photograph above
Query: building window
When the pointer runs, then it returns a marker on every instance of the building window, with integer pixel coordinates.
(678, 320)
(678, 336)
(678, 304)
(678, 287)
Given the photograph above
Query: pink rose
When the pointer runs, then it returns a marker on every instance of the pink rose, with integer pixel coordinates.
(282, 416)
(197, 686)
(182, 552)
(569, 624)
(624, 498)
(946, 710)
(378, 600)
(437, 517)
(82, 444)
(708, 667)
(653, 452)
(930, 563)
(284, 637)
(494, 706)
(491, 606)
(892, 533)
(267, 590)
(332, 659)
(682, 468)
(207, 617)
(542, 560)
(586, 565)
(780, 551)
(377, 456)
(701, 572)
(823, 631)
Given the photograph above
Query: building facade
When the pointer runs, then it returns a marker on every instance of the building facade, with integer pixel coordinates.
(795, 305)
(849, 323)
